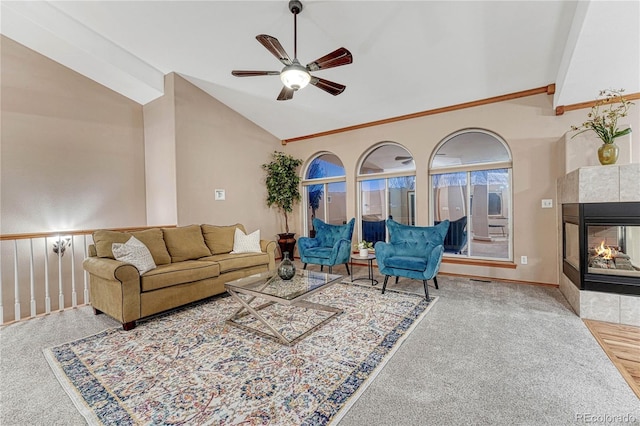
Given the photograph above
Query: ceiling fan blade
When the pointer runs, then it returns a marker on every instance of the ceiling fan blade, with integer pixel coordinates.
(336, 58)
(253, 73)
(285, 94)
(273, 45)
(328, 86)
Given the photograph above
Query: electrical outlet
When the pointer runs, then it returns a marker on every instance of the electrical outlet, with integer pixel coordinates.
(523, 260)
(547, 203)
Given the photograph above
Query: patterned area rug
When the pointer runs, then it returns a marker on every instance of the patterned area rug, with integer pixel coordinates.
(189, 367)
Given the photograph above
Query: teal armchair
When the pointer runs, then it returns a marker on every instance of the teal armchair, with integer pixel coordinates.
(331, 245)
(412, 252)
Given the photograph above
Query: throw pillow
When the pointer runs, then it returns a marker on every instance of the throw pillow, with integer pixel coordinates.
(135, 253)
(243, 243)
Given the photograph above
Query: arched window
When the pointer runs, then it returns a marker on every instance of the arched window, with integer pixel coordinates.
(324, 191)
(386, 181)
(471, 187)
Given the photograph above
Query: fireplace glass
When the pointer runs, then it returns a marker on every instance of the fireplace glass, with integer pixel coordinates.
(572, 244)
(613, 250)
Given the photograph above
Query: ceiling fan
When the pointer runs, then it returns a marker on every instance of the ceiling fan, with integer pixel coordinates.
(294, 76)
(405, 160)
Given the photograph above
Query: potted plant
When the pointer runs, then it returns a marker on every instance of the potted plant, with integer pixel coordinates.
(283, 191)
(365, 247)
(603, 120)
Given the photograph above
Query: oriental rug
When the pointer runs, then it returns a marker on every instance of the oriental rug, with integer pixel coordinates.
(189, 367)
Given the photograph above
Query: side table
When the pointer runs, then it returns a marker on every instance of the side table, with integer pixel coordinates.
(370, 258)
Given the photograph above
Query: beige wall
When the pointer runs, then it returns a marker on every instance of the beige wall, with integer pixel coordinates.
(72, 150)
(160, 157)
(216, 148)
(532, 131)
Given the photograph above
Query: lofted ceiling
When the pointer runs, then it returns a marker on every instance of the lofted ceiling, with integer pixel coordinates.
(409, 56)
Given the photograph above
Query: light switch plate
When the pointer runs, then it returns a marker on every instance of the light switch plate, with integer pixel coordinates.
(547, 203)
(219, 194)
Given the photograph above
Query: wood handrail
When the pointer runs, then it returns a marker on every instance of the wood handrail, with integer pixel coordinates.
(548, 89)
(76, 232)
(561, 109)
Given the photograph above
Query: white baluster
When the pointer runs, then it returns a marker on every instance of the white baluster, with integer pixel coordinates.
(1, 305)
(85, 274)
(16, 281)
(74, 295)
(60, 291)
(47, 297)
(32, 279)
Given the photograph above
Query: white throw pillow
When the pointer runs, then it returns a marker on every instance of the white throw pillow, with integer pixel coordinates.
(246, 243)
(134, 252)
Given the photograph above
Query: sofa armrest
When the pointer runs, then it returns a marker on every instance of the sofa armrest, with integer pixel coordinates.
(110, 269)
(114, 289)
(269, 247)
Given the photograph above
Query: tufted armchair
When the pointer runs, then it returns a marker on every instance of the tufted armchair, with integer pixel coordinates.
(412, 252)
(331, 246)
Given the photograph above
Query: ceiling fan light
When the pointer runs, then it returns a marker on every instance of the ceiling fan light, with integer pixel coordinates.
(295, 76)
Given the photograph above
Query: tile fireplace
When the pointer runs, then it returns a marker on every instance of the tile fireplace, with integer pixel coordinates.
(599, 242)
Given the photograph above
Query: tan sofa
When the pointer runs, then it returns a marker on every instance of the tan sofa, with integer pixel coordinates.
(193, 263)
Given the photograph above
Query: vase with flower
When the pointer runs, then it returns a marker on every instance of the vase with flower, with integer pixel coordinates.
(365, 247)
(603, 120)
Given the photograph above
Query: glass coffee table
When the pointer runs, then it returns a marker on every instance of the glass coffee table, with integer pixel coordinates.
(269, 287)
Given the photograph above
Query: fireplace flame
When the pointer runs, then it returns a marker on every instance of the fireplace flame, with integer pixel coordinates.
(604, 252)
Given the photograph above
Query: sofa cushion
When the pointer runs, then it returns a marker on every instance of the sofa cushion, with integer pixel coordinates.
(231, 262)
(319, 252)
(178, 273)
(185, 243)
(152, 238)
(135, 253)
(406, 262)
(220, 239)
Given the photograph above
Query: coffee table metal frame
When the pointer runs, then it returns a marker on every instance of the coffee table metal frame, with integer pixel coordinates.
(237, 287)
(370, 258)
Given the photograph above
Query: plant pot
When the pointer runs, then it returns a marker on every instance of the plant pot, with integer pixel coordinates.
(364, 252)
(287, 243)
(608, 153)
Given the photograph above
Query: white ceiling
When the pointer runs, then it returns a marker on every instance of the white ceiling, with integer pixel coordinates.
(409, 56)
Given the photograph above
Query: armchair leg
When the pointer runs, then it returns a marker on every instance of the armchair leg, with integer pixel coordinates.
(397, 278)
(347, 265)
(305, 266)
(321, 268)
(435, 281)
(426, 289)
(384, 285)
(330, 269)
